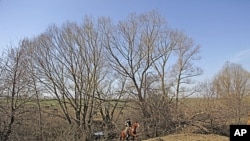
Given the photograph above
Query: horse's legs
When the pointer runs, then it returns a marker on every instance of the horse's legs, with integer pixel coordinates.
(127, 137)
(133, 135)
(122, 136)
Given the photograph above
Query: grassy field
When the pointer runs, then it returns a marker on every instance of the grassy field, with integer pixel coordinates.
(190, 137)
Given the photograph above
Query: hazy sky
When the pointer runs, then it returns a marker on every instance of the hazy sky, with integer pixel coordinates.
(221, 27)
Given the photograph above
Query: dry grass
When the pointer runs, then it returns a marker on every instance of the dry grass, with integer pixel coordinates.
(190, 137)
(54, 127)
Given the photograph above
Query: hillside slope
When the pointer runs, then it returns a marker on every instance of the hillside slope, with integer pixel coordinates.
(190, 137)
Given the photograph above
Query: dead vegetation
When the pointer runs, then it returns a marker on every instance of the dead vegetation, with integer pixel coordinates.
(190, 137)
(195, 123)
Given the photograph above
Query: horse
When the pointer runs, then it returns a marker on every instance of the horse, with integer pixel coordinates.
(132, 132)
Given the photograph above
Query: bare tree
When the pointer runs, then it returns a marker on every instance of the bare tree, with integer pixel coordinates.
(111, 103)
(28, 49)
(15, 90)
(76, 63)
(232, 85)
(184, 69)
(209, 114)
(70, 66)
(133, 47)
(225, 100)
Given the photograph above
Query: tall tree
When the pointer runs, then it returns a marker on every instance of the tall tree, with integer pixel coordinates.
(184, 69)
(15, 91)
(133, 47)
(70, 65)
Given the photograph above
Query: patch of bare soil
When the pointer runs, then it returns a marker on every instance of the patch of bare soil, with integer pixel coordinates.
(190, 137)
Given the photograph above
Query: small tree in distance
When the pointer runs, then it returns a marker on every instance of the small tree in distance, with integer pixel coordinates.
(232, 85)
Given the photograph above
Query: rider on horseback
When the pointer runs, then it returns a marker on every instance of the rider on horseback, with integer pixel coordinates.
(128, 125)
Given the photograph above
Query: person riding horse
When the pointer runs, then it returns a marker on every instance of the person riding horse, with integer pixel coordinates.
(128, 125)
(129, 131)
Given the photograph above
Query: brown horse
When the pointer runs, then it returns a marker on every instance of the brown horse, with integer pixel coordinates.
(132, 132)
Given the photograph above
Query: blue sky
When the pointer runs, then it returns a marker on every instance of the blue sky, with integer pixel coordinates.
(221, 27)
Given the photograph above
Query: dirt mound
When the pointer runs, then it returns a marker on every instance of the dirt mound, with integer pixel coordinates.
(190, 137)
